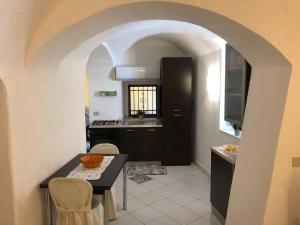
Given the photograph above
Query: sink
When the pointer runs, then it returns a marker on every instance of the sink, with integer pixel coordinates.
(141, 122)
(133, 122)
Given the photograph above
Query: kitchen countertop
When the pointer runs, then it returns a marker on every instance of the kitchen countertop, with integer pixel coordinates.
(129, 123)
(220, 151)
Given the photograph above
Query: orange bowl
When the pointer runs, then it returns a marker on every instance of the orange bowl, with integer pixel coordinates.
(91, 161)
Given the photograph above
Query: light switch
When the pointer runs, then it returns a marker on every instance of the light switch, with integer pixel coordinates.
(96, 113)
(296, 161)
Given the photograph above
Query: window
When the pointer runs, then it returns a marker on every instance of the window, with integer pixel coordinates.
(237, 78)
(235, 87)
(143, 98)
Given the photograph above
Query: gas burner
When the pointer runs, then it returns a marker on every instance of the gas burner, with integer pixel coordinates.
(105, 122)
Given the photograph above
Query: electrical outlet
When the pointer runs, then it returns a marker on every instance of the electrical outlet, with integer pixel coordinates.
(96, 113)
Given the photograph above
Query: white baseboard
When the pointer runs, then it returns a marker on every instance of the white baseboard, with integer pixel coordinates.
(202, 167)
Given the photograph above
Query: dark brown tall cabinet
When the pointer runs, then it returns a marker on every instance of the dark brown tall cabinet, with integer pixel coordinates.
(176, 93)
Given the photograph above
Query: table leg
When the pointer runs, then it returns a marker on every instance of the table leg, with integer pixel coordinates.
(105, 206)
(124, 187)
(49, 213)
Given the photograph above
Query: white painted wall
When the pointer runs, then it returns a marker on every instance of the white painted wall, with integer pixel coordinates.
(101, 78)
(54, 94)
(207, 108)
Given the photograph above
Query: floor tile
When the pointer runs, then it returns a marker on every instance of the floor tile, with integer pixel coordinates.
(165, 191)
(197, 193)
(199, 207)
(181, 199)
(206, 199)
(146, 214)
(165, 206)
(126, 220)
(183, 215)
(119, 193)
(120, 210)
(152, 184)
(205, 186)
(201, 221)
(195, 180)
(149, 197)
(181, 186)
(134, 204)
(136, 189)
(178, 175)
(212, 219)
(163, 221)
(202, 175)
(166, 179)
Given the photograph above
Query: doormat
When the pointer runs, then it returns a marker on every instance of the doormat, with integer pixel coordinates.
(139, 179)
(149, 169)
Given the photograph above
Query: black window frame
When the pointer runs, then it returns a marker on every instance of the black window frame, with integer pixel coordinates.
(157, 100)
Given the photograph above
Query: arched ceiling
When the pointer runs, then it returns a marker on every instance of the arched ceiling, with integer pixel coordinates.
(65, 13)
(72, 38)
(194, 40)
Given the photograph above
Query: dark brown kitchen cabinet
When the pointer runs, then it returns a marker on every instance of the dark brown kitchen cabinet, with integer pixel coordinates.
(221, 179)
(130, 142)
(176, 91)
(104, 135)
(151, 144)
(141, 144)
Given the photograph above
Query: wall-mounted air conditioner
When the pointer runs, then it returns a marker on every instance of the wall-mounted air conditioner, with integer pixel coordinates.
(137, 72)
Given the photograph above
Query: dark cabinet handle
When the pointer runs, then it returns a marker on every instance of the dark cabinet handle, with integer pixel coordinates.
(177, 115)
(151, 130)
(130, 130)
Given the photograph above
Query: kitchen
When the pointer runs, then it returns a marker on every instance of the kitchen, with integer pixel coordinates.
(166, 129)
(114, 72)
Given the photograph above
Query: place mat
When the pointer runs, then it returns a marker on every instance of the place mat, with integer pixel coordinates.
(139, 179)
(90, 174)
(149, 169)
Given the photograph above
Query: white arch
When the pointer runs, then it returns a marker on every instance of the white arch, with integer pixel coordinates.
(6, 187)
(266, 98)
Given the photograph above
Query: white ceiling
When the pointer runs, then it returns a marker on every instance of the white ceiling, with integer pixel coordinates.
(192, 39)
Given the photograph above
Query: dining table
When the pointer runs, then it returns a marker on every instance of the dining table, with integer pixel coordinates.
(100, 186)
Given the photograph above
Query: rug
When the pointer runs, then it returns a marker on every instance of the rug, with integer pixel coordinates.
(148, 169)
(139, 179)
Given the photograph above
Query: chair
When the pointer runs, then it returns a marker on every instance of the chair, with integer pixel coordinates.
(108, 149)
(73, 202)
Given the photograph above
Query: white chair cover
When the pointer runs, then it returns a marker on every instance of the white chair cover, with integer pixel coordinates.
(112, 201)
(73, 202)
(105, 149)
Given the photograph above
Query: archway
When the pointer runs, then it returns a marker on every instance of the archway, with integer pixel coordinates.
(266, 95)
(6, 187)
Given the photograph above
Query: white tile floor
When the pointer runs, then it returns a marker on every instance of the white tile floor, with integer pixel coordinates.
(179, 198)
